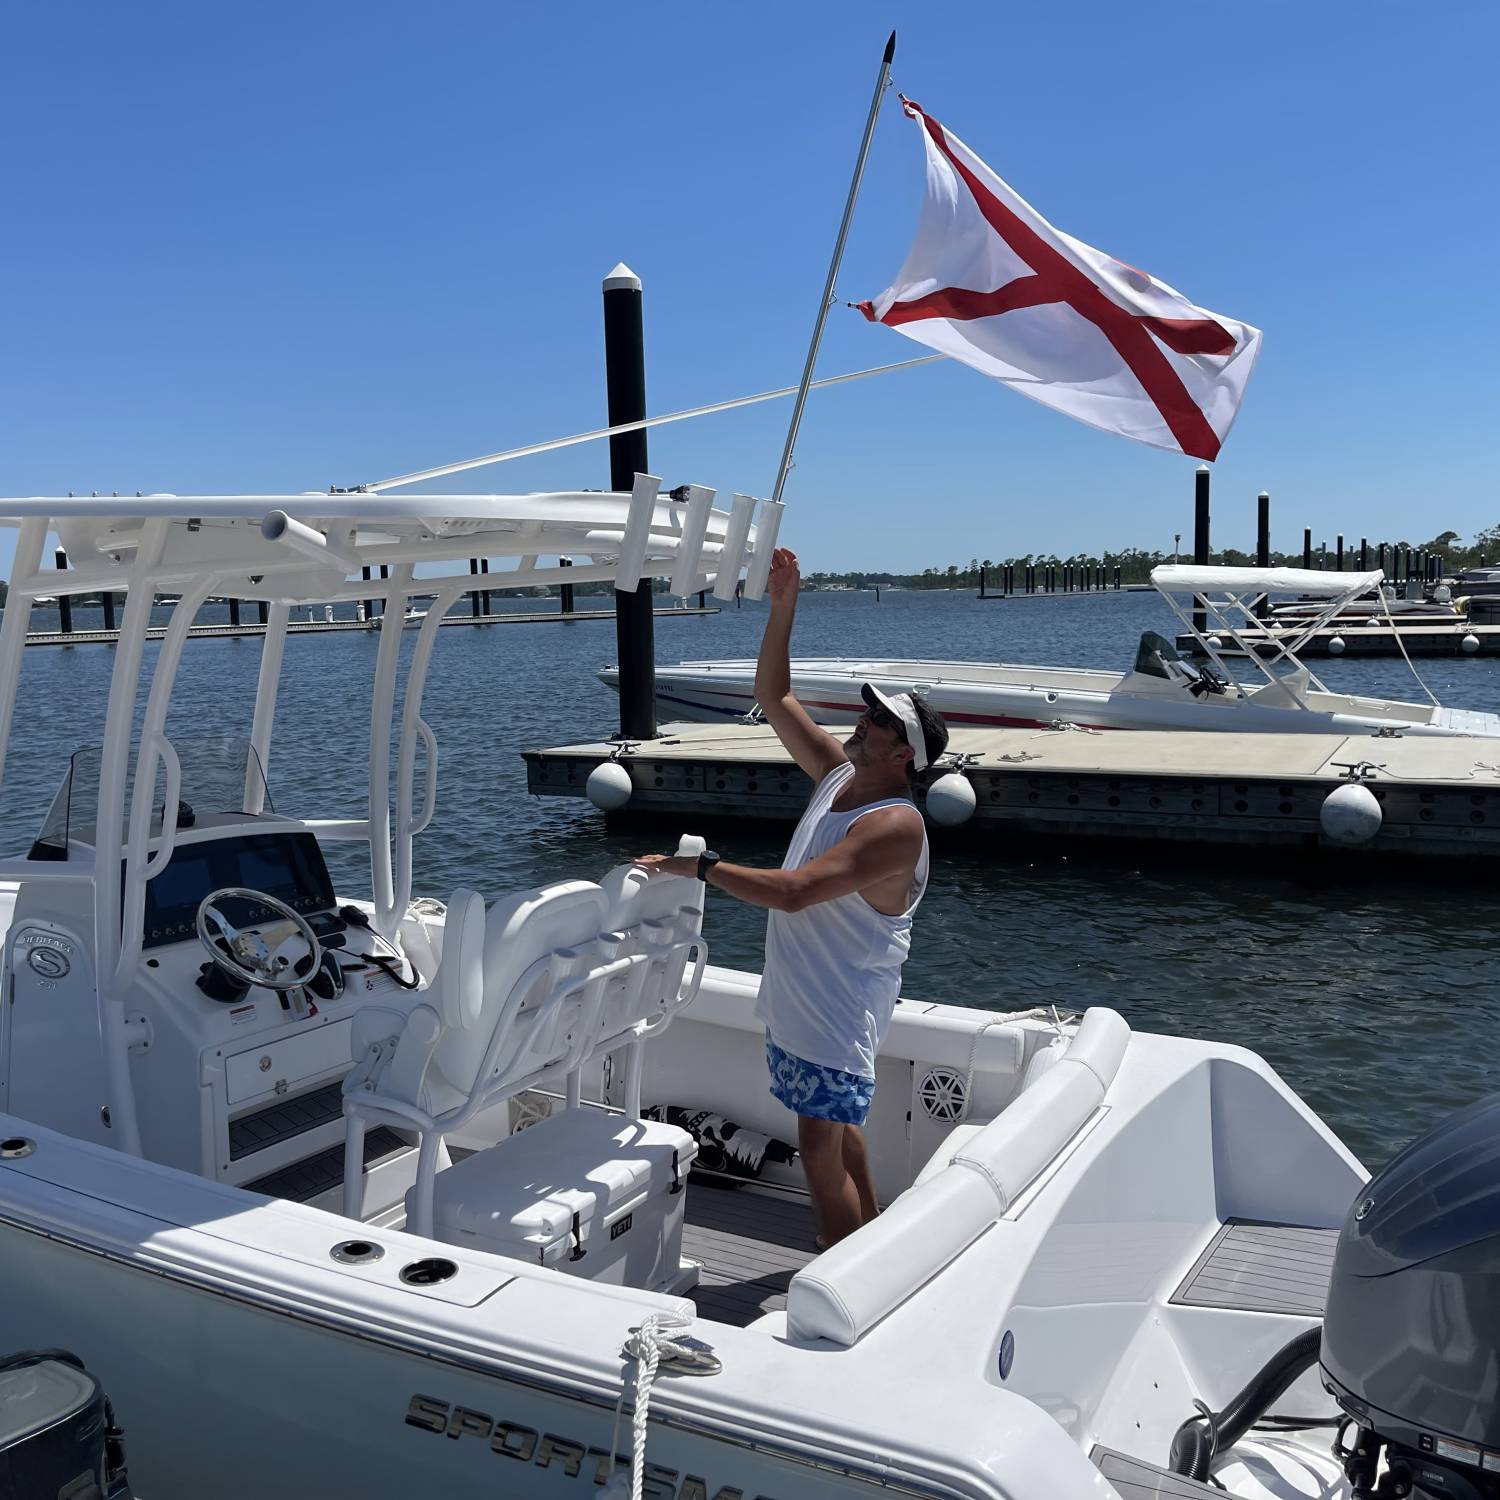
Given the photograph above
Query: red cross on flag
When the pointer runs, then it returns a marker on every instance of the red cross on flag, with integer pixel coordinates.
(988, 281)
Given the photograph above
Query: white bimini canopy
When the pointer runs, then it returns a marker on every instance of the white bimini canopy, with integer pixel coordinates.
(1172, 578)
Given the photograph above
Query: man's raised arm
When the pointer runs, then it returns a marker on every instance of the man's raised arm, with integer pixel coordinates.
(813, 748)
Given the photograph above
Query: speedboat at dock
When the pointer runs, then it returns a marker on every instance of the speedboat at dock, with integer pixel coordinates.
(1278, 693)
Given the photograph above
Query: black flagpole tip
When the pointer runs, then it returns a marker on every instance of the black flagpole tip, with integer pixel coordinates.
(890, 49)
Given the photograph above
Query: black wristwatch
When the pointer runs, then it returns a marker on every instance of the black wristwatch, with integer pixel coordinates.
(706, 861)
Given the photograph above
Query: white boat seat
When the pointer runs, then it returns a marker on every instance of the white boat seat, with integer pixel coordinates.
(974, 1178)
(659, 918)
(1098, 1044)
(850, 1287)
(516, 997)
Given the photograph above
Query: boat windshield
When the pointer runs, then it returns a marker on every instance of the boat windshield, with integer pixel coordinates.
(1153, 655)
(214, 780)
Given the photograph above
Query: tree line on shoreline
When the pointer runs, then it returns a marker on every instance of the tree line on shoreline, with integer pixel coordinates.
(1135, 564)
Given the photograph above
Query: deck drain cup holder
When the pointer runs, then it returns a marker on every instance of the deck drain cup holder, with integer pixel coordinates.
(15, 1146)
(357, 1252)
(431, 1272)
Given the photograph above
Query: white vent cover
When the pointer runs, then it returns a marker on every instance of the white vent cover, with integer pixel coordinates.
(943, 1094)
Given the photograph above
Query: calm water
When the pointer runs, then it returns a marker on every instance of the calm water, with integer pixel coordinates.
(1373, 992)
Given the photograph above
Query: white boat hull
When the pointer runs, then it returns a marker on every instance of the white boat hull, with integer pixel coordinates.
(1016, 696)
(243, 1360)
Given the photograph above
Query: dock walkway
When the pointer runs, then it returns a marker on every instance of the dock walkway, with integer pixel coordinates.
(1426, 638)
(1439, 796)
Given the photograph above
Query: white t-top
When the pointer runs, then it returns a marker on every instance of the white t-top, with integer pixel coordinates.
(833, 970)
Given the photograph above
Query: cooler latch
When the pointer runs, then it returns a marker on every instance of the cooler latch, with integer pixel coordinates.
(578, 1251)
(676, 1174)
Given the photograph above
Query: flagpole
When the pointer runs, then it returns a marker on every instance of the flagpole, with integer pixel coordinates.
(833, 269)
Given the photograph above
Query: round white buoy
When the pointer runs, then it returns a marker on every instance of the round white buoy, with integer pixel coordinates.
(1216, 643)
(1336, 646)
(951, 800)
(609, 786)
(1350, 814)
(1442, 594)
(1470, 643)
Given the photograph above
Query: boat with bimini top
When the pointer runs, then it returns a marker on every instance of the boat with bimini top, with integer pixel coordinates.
(1279, 693)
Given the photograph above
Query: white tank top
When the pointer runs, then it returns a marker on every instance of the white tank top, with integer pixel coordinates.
(833, 970)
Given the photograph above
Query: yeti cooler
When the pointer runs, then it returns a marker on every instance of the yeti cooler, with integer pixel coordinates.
(586, 1192)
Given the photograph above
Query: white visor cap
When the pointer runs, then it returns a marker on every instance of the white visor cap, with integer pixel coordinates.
(901, 706)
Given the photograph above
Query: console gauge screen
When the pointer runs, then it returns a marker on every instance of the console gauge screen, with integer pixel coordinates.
(288, 866)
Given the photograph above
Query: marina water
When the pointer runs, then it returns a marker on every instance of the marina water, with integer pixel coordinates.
(1369, 984)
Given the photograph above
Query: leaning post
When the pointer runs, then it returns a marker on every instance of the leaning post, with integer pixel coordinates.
(625, 385)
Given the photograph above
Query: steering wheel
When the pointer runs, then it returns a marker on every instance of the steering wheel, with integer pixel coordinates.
(249, 958)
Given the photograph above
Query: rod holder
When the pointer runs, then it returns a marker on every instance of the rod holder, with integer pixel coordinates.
(308, 540)
(766, 530)
(637, 532)
(688, 568)
(736, 535)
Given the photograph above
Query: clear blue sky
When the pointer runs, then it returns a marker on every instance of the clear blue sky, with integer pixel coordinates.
(275, 247)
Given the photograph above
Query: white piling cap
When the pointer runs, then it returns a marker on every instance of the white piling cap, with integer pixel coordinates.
(622, 276)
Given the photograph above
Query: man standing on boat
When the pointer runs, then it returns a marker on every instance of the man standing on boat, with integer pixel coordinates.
(840, 910)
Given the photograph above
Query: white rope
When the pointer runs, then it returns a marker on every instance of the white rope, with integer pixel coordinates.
(1386, 605)
(974, 1057)
(604, 432)
(648, 1345)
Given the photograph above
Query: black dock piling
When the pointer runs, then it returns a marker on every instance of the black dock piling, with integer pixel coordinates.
(234, 614)
(474, 593)
(364, 574)
(625, 383)
(565, 591)
(264, 610)
(64, 601)
(1201, 482)
(1339, 555)
(1364, 555)
(1307, 546)
(484, 594)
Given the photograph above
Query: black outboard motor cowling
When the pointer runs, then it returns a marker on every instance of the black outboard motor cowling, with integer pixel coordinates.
(1411, 1335)
(57, 1431)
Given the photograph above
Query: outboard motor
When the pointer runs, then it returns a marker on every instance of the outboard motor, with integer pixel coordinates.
(1411, 1335)
(57, 1430)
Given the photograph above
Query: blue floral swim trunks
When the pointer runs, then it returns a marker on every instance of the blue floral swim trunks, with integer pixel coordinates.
(821, 1093)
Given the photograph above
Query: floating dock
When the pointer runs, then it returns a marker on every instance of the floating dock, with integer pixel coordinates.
(1420, 639)
(320, 627)
(1439, 796)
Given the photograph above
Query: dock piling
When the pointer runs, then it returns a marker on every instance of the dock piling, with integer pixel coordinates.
(565, 590)
(64, 601)
(1307, 546)
(1201, 482)
(625, 394)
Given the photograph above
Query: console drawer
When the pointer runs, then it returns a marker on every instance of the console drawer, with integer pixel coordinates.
(261, 1070)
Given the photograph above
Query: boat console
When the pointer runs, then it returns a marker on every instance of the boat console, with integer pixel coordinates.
(240, 997)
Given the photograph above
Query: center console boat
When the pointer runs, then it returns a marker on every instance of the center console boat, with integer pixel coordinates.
(369, 1193)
